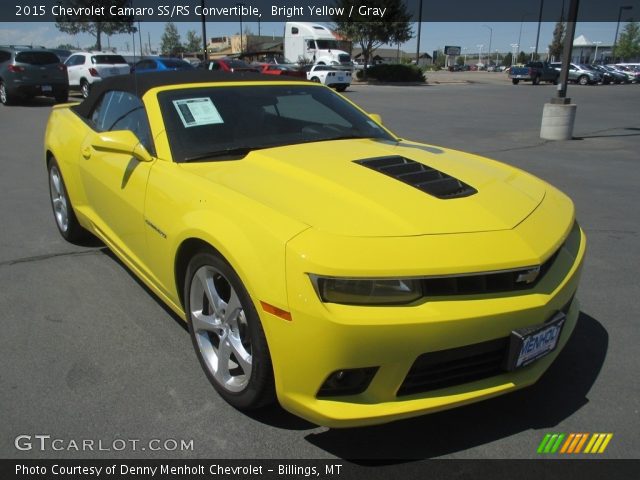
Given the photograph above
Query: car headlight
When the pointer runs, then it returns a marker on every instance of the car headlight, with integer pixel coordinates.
(365, 291)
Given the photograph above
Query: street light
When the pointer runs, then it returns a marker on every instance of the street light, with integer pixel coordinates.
(595, 56)
(515, 47)
(490, 38)
(533, 49)
(479, 53)
(464, 49)
(615, 39)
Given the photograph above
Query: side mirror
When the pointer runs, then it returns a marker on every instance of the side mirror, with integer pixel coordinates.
(376, 118)
(121, 141)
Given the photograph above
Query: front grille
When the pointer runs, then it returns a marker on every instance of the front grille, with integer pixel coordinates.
(488, 282)
(446, 368)
(420, 176)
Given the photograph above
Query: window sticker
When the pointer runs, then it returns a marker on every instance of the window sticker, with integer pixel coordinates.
(195, 112)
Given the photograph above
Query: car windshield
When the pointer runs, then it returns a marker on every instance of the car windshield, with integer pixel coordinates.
(209, 123)
(107, 59)
(237, 64)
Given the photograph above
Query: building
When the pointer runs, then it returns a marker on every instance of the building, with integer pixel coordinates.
(587, 51)
(227, 45)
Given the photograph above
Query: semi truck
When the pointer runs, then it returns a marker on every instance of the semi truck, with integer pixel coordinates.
(312, 43)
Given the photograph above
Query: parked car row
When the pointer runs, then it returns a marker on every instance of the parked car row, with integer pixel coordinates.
(27, 71)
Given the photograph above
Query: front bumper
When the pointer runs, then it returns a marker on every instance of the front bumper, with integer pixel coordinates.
(323, 338)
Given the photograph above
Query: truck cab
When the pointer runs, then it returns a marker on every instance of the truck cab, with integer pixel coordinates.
(306, 42)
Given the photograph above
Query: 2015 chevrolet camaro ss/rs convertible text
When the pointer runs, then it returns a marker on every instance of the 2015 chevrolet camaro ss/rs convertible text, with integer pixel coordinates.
(318, 259)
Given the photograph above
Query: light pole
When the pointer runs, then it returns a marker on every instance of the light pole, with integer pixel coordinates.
(480, 53)
(490, 38)
(515, 47)
(615, 39)
(205, 54)
(539, 23)
(595, 56)
(419, 30)
(464, 49)
(533, 49)
(240, 5)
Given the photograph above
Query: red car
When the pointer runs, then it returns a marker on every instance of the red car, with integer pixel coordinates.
(229, 65)
(273, 69)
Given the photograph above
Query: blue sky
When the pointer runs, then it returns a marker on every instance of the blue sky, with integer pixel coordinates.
(434, 35)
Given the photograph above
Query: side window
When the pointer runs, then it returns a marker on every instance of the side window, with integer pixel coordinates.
(4, 56)
(74, 60)
(122, 111)
(294, 30)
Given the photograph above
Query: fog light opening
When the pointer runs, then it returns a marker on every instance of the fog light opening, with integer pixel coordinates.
(347, 382)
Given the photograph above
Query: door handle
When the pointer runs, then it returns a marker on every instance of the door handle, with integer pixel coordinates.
(86, 152)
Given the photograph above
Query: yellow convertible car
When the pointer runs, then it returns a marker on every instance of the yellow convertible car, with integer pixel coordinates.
(319, 259)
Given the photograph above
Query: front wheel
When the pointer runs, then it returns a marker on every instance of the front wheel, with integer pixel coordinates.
(583, 80)
(227, 334)
(535, 81)
(515, 81)
(315, 79)
(63, 213)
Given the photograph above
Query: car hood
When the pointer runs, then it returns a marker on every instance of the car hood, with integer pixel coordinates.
(322, 185)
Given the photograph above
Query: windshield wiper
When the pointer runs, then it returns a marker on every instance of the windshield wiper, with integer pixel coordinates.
(233, 153)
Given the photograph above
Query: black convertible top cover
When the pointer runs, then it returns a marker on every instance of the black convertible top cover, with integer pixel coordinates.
(142, 83)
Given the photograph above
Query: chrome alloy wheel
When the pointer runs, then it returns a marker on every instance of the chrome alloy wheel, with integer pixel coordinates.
(59, 199)
(220, 329)
(3, 93)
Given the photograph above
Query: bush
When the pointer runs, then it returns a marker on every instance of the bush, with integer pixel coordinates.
(396, 73)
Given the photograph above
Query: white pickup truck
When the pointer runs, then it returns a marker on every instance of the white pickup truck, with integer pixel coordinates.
(330, 76)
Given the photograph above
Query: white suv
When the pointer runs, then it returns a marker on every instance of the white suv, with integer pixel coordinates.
(87, 68)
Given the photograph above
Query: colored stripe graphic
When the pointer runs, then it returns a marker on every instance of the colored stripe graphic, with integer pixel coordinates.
(573, 443)
(598, 443)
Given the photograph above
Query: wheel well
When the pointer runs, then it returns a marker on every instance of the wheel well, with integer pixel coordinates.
(186, 252)
(48, 157)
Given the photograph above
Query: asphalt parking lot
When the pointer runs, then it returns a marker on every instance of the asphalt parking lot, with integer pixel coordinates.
(86, 352)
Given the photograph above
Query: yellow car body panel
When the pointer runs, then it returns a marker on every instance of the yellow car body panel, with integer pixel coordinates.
(282, 214)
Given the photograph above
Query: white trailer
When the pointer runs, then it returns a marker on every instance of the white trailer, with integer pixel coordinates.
(307, 42)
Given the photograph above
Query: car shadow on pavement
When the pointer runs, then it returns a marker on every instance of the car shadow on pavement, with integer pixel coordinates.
(561, 391)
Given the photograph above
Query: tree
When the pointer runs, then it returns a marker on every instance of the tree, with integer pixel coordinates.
(522, 57)
(628, 46)
(368, 34)
(194, 42)
(95, 24)
(66, 46)
(557, 43)
(508, 58)
(170, 41)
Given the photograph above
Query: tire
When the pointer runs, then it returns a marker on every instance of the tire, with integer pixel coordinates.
(244, 377)
(5, 97)
(85, 88)
(341, 88)
(315, 79)
(63, 213)
(515, 81)
(583, 80)
(535, 81)
(62, 96)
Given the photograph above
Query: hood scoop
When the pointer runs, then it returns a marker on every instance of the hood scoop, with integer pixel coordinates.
(420, 176)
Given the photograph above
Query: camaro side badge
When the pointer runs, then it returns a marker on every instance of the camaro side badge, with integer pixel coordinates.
(529, 276)
(160, 232)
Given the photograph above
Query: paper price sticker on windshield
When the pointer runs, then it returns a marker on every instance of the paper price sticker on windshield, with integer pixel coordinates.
(195, 112)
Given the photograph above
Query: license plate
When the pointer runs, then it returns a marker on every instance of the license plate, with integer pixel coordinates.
(113, 71)
(46, 88)
(529, 344)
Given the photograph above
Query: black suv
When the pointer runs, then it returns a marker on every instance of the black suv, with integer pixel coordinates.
(27, 72)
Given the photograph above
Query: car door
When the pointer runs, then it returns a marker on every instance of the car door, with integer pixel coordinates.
(74, 68)
(115, 183)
